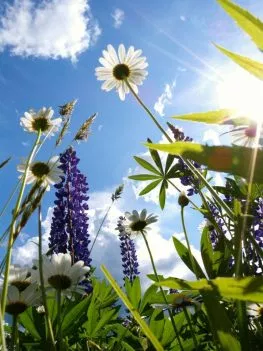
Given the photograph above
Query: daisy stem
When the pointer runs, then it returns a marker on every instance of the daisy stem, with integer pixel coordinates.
(13, 222)
(2, 332)
(42, 284)
(59, 321)
(191, 327)
(162, 292)
(187, 162)
(14, 338)
(192, 259)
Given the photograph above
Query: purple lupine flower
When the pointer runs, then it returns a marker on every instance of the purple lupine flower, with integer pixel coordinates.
(128, 252)
(214, 234)
(69, 227)
(187, 179)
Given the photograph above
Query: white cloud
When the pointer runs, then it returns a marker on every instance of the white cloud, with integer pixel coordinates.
(211, 135)
(165, 98)
(48, 29)
(118, 16)
(182, 18)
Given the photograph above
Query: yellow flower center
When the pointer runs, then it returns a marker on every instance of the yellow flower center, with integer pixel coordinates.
(121, 71)
(21, 285)
(60, 282)
(138, 225)
(41, 123)
(16, 307)
(40, 169)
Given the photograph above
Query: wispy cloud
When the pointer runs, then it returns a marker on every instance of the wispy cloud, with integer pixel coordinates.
(182, 18)
(118, 17)
(165, 98)
(48, 29)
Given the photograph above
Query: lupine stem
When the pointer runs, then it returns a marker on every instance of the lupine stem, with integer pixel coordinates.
(187, 162)
(162, 292)
(42, 284)
(191, 327)
(13, 223)
(188, 244)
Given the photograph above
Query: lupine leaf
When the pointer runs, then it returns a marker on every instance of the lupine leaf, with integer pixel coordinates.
(184, 255)
(145, 329)
(146, 165)
(133, 291)
(250, 24)
(234, 160)
(224, 116)
(28, 322)
(252, 66)
(150, 187)
(169, 162)
(162, 196)
(143, 177)
(156, 157)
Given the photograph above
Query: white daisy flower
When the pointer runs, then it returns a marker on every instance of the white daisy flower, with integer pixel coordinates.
(255, 310)
(18, 277)
(18, 302)
(180, 301)
(33, 122)
(48, 173)
(138, 223)
(121, 66)
(60, 274)
(249, 136)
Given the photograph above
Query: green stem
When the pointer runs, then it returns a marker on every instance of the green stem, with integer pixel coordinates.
(14, 337)
(59, 336)
(188, 244)
(162, 292)
(187, 162)
(2, 332)
(191, 327)
(42, 283)
(13, 223)
(101, 224)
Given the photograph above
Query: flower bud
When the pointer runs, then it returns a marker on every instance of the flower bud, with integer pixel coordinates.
(183, 199)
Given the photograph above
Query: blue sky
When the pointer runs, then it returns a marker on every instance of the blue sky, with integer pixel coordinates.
(185, 70)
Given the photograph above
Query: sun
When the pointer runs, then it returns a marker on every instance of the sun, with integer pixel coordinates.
(243, 93)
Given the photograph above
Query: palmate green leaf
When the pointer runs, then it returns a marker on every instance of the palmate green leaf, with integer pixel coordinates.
(234, 160)
(145, 329)
(224, 116)
(143, 177)
(184, 255)
(243, 289)
(252, 66)
(150, 187)
(250, 24)
(162, 195)
(156, 157)
(147, 297)
(146, 165)
(27, 319)
(133, 291)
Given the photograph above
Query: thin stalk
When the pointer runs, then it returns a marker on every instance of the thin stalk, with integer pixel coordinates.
(170, 182)
(2, 332)
(9, 199)
(14, 337)
(13, 223)
(191, 327)
(187, 162)
(162, 292)
(42, 284)
(59, 336)
(188, 244)
(101, 224)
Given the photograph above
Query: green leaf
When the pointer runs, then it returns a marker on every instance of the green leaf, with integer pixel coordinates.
(143, 177)
(184, 255)
(169, 162)
(28, 322)
(156, 157)
(162, 196)
(73, 316)
(133, 291)
(150, 187)
(146, 165)
(145, 329)
(250, 24)
(105, 317)
(5, 162)
(147, 296)
(235, 160)
(253, 67)
(243, 289)
(214, 117)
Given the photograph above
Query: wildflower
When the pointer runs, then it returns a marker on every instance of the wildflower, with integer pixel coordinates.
(67, 109)
(128, 252)
(138, 223)
(33, 122)
(183, 199)
(69, 227)
(255, 310)
(46, 173)
(119, 67)
(18, 302)
(84, 130)
(179, 302)
(117, 194)
(19, 277)
(60, 274)
(249, 136)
